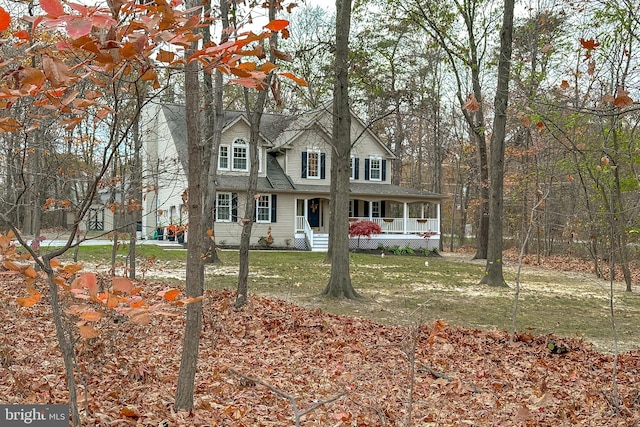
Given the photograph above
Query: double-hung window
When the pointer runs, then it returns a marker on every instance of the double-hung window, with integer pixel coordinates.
(223, 157)
(240, 155)
(223, 208)
(375, 169)
(313, 164)
(263, 208)
(375, 210)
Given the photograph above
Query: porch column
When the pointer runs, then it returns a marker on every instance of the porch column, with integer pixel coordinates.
(295, 215)
(405, 214)
(438, 217)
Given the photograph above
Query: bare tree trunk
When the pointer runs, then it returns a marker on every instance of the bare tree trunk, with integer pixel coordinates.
(250, 208)
(214, 114)
(255, 117)
(65, 341)
(199, 158)
(494, 275)
(340, 280)
(135, 188)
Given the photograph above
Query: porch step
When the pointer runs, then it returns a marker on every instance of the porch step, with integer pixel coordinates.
(320, 243)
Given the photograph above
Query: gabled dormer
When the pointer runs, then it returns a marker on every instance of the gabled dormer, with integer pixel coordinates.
(304, 151)
(233, 154)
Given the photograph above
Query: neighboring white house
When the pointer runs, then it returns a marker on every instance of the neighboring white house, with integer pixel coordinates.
(293, 184)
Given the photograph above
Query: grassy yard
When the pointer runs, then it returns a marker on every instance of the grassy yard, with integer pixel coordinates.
(401, 289)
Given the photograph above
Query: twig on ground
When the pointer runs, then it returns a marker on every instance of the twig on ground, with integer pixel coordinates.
(436, 374)
(297, 413)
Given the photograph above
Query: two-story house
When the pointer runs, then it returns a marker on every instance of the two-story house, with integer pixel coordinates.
(293, 184)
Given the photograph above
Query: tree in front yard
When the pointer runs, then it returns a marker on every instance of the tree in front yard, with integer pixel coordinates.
(340, 280)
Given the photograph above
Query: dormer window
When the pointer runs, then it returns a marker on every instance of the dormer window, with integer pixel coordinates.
(240, 155)
(313, 164)
(223, 157)
(375, 169)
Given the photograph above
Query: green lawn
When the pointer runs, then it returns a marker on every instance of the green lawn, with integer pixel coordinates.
(401, 289)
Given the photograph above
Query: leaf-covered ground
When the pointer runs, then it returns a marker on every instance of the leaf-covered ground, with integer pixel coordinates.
(460, 377)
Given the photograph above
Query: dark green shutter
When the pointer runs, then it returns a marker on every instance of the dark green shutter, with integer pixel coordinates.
(304, 164)
(323, 160)
(234, 207)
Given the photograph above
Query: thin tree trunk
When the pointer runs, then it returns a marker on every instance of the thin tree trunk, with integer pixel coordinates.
(199, 158)
(214, 114)
(65, 341)
(255, 117)
(135, 188)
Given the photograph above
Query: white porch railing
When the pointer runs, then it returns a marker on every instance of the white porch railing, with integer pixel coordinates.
(302, 226)
(404, 225)
(388, 225)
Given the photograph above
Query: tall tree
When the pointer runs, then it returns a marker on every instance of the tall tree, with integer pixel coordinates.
(214, 119)
(254, 112)
(340, 279)
(494, 274)
(199, 154)
(440, 20)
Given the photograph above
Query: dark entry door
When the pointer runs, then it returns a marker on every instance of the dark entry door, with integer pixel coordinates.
(313, 209)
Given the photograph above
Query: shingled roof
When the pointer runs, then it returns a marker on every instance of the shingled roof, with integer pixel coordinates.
(276, 128)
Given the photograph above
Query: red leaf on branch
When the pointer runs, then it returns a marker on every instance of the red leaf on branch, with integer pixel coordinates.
(22, 34)
(298, 80)
(52, 7)
(79, 27)
(171, 294)
(121, 284)
(86, 280)
(5, 19)
(277, 25)
(622, 98)
(589, 44)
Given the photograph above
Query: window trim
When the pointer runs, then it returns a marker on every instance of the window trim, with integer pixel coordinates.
(353, 168)
(372, 160)
(318, 168)
(268, 198)
(227, 157)
(240, 143)
(377, 203)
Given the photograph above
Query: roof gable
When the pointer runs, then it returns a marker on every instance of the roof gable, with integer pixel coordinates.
(271, 125)
(321, 119)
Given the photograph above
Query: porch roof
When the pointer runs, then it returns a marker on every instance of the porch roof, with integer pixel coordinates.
(363, 191)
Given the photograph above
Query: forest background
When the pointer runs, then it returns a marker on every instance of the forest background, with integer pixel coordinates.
(420, 75)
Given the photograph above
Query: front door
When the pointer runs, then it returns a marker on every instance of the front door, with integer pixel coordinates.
(313, 212)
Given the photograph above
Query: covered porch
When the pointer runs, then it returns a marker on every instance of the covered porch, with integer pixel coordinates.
(408, 223)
